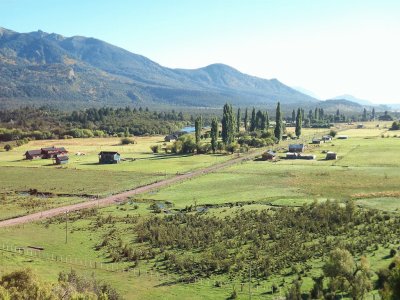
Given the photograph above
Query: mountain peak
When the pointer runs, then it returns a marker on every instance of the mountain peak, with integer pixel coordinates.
(105, 74)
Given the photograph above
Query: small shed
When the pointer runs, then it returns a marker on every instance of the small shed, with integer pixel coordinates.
(306, 156)
(170, 138)
(327, 138)
(297, 148)
(109, 157)
(61, 159)
(317, 141)
(269, 155)
(291, 155)
(33, 154)
(331, 156)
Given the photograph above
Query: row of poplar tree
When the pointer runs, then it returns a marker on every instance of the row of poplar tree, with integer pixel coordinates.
(258, 121)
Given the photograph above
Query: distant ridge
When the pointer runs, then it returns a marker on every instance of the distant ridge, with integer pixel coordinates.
(42, 68)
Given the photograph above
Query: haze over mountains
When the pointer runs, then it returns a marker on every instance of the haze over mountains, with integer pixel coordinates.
(40, 68)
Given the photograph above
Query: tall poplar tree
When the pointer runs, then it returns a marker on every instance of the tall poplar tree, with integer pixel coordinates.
(246, 119)
(238, 119)
(299, 122)
(253, 120)
(228, 125)
(197, 128)
(279, 124)
(293, 116)
(214, 134)
(266, 120)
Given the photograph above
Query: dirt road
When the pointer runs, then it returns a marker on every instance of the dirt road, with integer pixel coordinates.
(124, 195)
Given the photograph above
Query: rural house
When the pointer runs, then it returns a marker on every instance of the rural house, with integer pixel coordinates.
(33, 154)
(109, 157)
(296, 148)
(170, 138)
(52, 152)
(61, 159)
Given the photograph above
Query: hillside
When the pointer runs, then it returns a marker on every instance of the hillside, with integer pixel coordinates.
(69, 72)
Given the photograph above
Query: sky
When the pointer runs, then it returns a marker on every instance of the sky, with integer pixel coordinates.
(328, 47)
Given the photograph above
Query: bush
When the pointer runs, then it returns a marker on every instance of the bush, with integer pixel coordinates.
(155, 148)
(8, 147)
(333, 133)
(127, 141)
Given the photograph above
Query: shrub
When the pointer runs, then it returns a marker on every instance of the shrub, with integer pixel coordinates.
(333, 133)
(155, 148)
(127, 141)
(8, 147)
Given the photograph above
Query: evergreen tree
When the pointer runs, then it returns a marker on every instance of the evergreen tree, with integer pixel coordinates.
(266, 116)
(253, 120)
(214, 134)
(316, 114)
(197, 128)
(279, 124)
(298, 123)
(293, 116)
(238, 118)
(364, 118)
(373, 113)
(228, 125)
(259, 119)
(246, 119)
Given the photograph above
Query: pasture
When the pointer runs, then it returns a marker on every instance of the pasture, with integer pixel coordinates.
(366, 171)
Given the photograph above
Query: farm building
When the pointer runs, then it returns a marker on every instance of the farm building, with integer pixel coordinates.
(61, 159)
(291, 155)
(342, 137)
(327, 138)
(331, 156)
(269, 155)
(33, 154)
(296, 148)
(306, 156)
(317, 141)
(109, 157)
(170, 138)
(52, 152)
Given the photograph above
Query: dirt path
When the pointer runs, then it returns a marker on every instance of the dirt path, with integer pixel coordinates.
(124, 195)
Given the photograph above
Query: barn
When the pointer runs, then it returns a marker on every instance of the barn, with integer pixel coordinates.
(327, 138)
(296, 148)
(52, 152)
(109, 157)
(33, 154)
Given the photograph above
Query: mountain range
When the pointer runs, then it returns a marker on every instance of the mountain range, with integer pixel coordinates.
(75, 72)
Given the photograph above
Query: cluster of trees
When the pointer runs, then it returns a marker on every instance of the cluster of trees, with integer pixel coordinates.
(271, 241)
(47, 123)
(25, 285)
(395, 125)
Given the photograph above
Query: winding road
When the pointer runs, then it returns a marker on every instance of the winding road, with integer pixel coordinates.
(124, 195)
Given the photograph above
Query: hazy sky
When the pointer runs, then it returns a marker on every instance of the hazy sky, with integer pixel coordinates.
(328, 47)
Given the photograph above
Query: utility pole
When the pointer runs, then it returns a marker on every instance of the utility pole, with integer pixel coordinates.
(66, 226)
(250, 282)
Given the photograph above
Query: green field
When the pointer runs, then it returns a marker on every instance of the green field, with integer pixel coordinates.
(366, 171)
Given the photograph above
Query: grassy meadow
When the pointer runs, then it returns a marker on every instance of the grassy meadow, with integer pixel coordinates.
(366, 171)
